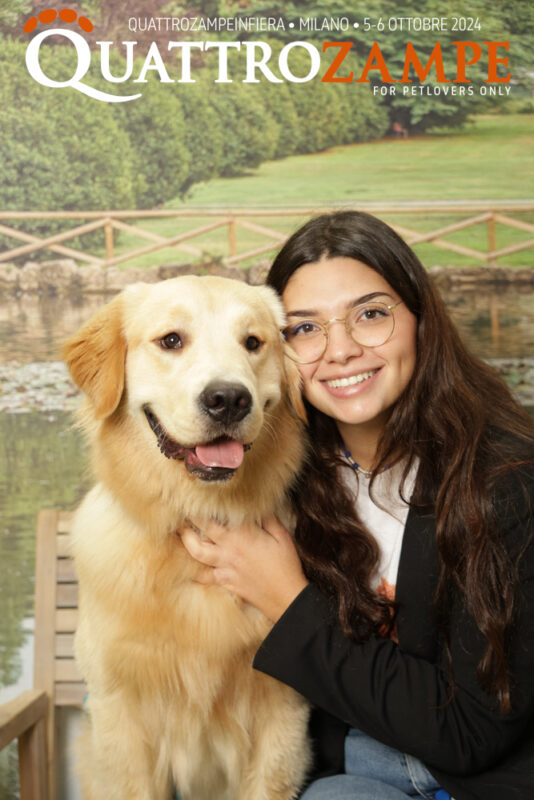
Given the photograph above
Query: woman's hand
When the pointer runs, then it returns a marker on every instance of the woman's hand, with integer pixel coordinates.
(258, 564)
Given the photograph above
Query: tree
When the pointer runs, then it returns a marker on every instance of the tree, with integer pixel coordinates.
(156, 128)
(204, 134)
(58, 150)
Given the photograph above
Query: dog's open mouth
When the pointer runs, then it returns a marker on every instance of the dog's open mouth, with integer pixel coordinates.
(211, 461)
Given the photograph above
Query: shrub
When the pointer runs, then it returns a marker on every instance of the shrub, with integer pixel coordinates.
(250, 135)
(156, 128)
(279, 105)
(366, 119)
(59, 150)
(204, 134)
(320, 109)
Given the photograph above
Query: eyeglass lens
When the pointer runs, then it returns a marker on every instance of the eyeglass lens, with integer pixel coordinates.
(369, 325)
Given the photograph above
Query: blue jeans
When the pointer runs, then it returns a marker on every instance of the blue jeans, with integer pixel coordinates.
(374, 771)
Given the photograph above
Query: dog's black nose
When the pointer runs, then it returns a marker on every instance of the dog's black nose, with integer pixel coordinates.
(226, 402)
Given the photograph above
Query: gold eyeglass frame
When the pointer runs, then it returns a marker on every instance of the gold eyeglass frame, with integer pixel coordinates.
(325, 325)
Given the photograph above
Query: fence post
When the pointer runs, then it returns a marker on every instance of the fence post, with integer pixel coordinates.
(232, 247)
(495, 321)
(492, 240)
(108, 228)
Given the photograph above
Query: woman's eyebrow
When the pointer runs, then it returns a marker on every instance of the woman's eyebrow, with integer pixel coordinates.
(307, 312)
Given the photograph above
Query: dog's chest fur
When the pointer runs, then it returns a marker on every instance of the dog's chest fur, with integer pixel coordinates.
(153, 606)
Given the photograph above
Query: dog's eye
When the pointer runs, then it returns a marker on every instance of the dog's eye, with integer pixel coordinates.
(171, 341)
(253, 343)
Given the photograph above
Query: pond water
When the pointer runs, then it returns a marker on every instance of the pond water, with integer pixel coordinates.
(44, 462)
(496, 323)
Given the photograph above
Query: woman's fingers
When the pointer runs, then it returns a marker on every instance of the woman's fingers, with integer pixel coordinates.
(206, 576)
(202, 550)
(272, 525)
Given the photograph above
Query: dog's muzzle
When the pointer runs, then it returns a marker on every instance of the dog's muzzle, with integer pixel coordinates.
(216, 460)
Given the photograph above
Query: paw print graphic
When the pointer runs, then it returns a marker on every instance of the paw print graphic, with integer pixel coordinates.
(64, 15)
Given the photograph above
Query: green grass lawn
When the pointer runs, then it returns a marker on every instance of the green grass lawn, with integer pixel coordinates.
(492, 158)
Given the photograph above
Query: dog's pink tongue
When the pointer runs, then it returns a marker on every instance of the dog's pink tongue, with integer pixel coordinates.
(227, 453)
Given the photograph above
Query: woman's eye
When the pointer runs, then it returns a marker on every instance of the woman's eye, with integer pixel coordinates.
(303, 329)
(171, 341)
(253, 343)
(371, 314)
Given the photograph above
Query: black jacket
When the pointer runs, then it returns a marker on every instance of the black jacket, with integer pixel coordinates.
(400, 694)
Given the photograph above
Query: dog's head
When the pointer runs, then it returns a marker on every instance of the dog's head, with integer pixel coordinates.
(198, 363)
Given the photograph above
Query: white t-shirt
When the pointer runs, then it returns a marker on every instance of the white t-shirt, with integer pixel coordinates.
(384, 515)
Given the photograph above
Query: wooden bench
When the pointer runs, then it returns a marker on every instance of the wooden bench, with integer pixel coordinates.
(31, 717)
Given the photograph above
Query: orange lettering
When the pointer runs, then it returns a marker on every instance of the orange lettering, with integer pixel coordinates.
(461, 63)
(375, 54)
(412, 59)
(329, 76)
(493, 61)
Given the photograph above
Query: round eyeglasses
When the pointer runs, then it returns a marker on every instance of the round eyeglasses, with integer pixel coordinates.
(369, 325)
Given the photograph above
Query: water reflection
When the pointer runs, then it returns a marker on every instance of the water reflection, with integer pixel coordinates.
(497, 323)
(494, 324)
(43, 465)
(32, 327)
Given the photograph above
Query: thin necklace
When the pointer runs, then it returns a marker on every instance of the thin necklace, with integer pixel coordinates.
(367, 473)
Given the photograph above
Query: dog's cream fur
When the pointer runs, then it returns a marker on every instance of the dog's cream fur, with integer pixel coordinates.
(173, 698)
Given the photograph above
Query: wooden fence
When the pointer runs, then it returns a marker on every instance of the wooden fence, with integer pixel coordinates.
(510, 214)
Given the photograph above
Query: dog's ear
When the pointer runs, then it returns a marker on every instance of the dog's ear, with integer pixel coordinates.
(292, 375)
(294, 390)
(95, 356)
(274, 302)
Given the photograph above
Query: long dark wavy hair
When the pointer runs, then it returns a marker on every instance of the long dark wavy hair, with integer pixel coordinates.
(456, 417)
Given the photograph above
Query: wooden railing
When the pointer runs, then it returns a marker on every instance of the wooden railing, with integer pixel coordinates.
(509, 214)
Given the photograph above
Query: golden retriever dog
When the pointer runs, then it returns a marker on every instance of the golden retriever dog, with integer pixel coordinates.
(193, 413)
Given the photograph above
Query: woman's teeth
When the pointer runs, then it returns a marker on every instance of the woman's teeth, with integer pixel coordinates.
(352, 380)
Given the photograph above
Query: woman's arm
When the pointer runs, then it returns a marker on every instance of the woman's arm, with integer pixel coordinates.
(400, 699)
(405, 700)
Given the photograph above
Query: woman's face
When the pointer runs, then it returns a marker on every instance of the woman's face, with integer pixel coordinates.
(355, 385)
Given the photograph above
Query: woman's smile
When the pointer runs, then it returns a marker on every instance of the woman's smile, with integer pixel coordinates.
(339, 386)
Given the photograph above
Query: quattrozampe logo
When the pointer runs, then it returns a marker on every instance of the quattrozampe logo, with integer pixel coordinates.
(296, 62)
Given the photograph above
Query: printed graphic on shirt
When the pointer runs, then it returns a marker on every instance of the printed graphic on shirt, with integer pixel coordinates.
(387, 590)
(384, 514)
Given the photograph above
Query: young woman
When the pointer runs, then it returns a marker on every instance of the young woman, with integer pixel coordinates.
(403, 608)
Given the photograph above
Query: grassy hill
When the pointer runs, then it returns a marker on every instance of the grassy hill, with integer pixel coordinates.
(491, 159)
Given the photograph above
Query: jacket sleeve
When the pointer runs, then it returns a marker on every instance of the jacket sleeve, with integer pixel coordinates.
(402, 699)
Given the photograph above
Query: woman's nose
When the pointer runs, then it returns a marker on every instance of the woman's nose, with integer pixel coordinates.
(340, 344)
